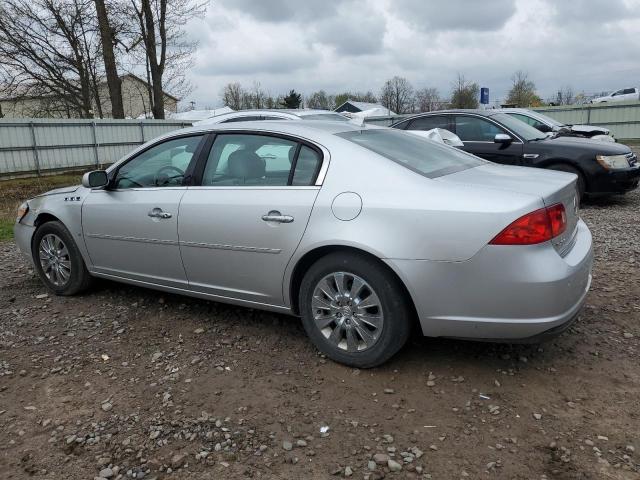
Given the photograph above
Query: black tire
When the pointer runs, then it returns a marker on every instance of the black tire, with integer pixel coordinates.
(394, 305)
(79, 278)
(581, 185)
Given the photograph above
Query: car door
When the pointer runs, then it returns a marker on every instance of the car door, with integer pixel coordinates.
(130, 228)
(478, 135)
(240, 227)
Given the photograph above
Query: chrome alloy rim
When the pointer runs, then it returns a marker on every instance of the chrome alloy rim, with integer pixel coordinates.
(54, 259)
(347, 311)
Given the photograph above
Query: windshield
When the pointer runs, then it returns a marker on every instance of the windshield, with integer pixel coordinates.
(550, 120)
(423, 156)
(334, 117)
(523, 130)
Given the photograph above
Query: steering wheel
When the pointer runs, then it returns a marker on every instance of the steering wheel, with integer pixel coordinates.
(161, 178)
(120, 178)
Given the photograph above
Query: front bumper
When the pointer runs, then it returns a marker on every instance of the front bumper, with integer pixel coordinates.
(615, 181)
(503, 293)
(23, 234)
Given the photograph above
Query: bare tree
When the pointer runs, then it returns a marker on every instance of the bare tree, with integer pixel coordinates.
(464, 93)
(368, 97)
(110, 64)
(321, 100)
(428, 99)
(258, 96)
(232, 95)
(564, 96)
(48, 49)
(523, 91)
(157, 28)
(397, 95)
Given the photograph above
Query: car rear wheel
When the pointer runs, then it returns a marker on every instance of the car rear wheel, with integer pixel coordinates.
(58, 260)
(581, 185)
(354, 310)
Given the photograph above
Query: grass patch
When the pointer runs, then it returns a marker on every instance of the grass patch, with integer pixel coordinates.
(6, 229)
(14, 192)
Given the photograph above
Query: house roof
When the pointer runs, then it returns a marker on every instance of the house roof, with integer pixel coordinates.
(362, 106)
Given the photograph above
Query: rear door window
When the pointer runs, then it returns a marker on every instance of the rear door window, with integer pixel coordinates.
(245, 160)
(476, 129)
(430, 122)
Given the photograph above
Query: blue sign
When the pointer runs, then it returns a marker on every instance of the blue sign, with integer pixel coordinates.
(484, 96)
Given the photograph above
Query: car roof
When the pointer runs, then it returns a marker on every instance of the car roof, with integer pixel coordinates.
(310, 128)
(286, 114)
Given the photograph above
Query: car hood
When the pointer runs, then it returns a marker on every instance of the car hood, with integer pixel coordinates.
(589, 129)
(56, 191)
(584, 145)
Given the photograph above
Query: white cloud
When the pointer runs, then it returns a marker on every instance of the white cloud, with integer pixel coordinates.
(358, 44)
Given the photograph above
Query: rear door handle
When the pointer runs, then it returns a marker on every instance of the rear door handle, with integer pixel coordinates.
(158, 213)
(276, 216)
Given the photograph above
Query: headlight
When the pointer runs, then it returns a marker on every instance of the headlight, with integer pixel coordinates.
(613, 161)
(22, 211)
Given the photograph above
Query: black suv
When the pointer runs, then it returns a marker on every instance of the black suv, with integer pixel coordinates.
(602, 168)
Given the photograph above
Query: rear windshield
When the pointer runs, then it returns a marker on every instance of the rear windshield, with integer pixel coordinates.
(423, 156)
(334, 117)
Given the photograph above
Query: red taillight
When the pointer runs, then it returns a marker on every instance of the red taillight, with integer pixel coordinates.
(535, 227)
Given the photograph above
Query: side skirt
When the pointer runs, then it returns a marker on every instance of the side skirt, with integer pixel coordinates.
(190, 293)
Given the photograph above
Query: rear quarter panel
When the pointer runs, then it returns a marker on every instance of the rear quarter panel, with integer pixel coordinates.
(405, 215)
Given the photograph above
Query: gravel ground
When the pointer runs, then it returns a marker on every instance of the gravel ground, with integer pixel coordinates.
(129, 383)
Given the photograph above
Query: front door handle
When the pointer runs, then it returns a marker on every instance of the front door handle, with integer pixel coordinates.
(158, 213)
(276, 216)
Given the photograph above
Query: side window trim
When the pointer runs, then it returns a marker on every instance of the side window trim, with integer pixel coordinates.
(292, 170)
(198, 151)
(201, 163)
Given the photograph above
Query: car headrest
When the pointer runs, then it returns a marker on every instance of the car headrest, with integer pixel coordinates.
(246, 164)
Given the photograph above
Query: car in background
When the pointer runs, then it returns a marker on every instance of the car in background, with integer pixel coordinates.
(622, 95)
(602, 168)
(274, 114)
(360, 230)
(552, 126)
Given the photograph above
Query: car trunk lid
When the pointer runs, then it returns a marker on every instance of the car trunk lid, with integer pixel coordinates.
(551, 186)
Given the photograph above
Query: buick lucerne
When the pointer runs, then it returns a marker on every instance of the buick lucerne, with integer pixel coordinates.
(364, 232)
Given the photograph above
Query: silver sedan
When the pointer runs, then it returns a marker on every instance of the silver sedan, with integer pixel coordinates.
(363, 232)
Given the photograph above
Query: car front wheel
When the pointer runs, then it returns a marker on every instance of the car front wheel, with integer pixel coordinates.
(354, 310)
(58, 260)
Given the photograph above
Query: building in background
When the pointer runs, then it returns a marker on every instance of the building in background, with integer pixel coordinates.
(135, 98)
(371, 109)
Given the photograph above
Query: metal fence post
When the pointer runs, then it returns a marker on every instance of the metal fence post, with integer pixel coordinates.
(35, 147)
(95, 143)
(141, 131)
(588, 114)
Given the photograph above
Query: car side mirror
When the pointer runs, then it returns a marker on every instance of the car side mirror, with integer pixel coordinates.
(544, 128)
(95, 179)
(503, 139)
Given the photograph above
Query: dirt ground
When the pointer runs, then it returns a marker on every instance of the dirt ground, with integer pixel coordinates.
(124, 382)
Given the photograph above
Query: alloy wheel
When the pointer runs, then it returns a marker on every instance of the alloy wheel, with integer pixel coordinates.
(55, 259)
(347, 311)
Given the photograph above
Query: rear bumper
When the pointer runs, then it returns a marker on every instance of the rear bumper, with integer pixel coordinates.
(615, 181)
(503, 293)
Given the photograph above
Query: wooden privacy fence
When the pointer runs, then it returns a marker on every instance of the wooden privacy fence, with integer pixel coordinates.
(43, 146)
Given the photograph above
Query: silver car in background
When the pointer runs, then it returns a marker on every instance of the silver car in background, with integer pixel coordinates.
(274, 114)
(359, 230)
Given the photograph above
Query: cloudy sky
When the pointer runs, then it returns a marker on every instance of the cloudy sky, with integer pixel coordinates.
(338, 45)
